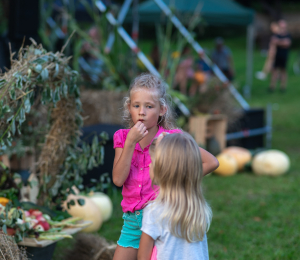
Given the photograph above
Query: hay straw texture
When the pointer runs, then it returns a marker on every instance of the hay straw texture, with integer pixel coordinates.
(59, 137)
(90, 247)
(9, 250)
(44, 77)
(216, 100)
(102, 107)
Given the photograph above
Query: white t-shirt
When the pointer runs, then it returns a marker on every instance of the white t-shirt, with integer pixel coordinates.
(168, 246)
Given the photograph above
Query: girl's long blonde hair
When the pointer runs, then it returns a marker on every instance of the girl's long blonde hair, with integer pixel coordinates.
(156, 84)
(177, 168)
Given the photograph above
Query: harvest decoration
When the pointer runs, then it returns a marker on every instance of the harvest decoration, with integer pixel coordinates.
(35, 224)
(272, 163)
(89, 211)
(41, 77)
(242, 155)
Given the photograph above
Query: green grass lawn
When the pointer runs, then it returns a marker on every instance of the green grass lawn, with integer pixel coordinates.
(254, 217)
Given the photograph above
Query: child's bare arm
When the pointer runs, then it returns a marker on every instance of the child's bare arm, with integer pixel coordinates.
(123, 156)
(122, 163)
(209, 162)
(146, 247)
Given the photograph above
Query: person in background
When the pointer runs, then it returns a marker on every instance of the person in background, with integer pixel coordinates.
(282, 41)
(271, 55)
(201, 77)
(185, 70)
(222, 57)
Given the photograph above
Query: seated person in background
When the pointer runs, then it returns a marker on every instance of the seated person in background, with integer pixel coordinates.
(201, 77)
(222, 57)
(185, 70)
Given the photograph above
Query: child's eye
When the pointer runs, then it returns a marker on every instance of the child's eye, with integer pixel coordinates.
(149, 106)
(136, 106)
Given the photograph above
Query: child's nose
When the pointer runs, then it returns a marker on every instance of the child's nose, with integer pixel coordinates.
(142, 111)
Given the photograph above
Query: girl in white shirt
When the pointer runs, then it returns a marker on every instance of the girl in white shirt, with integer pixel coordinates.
(175, 223)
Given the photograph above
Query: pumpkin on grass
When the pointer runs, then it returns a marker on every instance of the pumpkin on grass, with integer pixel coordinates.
(272, 162)
(104, 203)
(89, 211)
(227, 165)
(242, 155)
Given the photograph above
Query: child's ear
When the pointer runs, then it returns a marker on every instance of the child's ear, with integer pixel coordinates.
(163, 110)
(128, 106)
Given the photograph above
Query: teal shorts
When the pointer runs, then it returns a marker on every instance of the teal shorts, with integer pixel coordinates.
(131, 230)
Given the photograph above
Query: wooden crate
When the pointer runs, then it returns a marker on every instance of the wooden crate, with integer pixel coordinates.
(205, 126)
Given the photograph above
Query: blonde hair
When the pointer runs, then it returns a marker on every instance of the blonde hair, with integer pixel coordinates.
(177, 168)
(152, 83)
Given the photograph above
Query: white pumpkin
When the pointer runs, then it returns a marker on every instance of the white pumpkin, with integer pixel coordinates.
(89, 211)
(271, 162)
(104, 203)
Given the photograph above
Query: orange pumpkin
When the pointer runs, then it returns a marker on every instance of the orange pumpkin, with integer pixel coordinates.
(242, 155)
(4, 201)
(227, 165)
(200, 77)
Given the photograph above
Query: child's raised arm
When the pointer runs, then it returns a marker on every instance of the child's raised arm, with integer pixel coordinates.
(123, 156)
(146, 247)
(209, 162)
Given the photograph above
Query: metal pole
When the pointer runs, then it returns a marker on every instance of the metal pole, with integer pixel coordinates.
(248, 133)
(121, 17)
(135, 29)
(200, 51)
(59, 33)
(269, 125)
(249, 60)
(136, 50)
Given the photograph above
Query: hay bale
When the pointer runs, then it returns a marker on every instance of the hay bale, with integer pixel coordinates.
(102, 106)
(90, 247)
(9, 250)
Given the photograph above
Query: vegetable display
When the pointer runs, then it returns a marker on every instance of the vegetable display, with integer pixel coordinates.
(35, 224)
(271, 162)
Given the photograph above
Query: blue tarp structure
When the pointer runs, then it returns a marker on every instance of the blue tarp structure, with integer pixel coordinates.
(214, 12)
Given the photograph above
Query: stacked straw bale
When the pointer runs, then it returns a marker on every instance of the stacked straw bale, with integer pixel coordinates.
(102, 106)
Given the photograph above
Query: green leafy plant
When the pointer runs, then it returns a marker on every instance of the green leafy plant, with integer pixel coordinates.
(43, 77)
(11, 218)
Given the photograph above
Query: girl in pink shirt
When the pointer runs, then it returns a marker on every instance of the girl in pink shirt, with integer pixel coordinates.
(148, 114)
